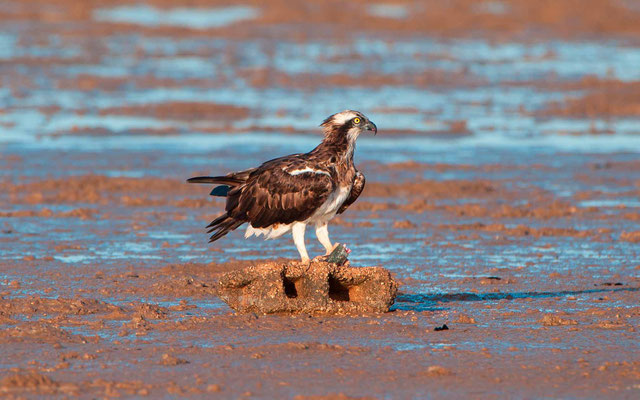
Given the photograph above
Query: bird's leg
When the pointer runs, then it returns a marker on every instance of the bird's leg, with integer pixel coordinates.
(322, 232)
(298, 238)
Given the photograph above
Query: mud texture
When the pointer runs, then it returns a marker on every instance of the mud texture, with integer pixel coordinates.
(317, 288)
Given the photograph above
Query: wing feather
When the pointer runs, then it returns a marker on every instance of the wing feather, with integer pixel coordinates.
(271, 195)
(356, 190)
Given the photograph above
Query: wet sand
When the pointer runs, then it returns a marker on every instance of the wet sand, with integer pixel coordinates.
(502, 193)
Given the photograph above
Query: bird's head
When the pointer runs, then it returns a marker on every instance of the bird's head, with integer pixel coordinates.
(347, 125)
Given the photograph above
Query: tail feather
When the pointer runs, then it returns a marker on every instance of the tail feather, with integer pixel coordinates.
(221, 180)
(221, 226)
(216, 221)
(226, 185)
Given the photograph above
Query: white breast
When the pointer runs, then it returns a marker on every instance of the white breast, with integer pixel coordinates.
(330, 207)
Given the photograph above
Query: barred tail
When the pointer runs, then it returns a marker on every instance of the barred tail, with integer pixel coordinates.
(221, 226)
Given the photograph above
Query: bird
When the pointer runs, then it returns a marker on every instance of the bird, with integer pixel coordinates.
(288, 193)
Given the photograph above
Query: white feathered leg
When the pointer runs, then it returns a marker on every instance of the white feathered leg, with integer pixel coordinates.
(298, 238)
(322, 232)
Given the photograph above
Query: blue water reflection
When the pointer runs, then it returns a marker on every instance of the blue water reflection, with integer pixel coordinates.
(198, 18)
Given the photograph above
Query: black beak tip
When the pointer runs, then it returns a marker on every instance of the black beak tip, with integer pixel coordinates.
(372, 127)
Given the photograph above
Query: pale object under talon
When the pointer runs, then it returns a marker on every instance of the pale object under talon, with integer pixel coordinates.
(338, 255)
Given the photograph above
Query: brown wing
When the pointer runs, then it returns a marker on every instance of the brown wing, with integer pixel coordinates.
(358, 187)
(274, 196)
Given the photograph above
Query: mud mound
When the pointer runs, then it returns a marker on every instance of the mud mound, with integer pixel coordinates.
(320, 287)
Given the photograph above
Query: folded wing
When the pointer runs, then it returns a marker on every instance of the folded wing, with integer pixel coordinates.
(278, 196)
(280, 191)
(358, 187)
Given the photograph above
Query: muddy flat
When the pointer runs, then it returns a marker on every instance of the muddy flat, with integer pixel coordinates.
(503, 193)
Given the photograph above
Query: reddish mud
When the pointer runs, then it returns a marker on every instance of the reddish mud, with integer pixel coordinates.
(140, 328)
(200, 111)
(603, 99)
(515, 18)
(492, 197)
(262, 78)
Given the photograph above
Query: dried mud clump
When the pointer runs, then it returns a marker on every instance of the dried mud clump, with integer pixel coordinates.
(437, 370)
(169, 360)
(33, 383)
(320, 287)
(465, 319)
(554, 320)
(633, 237)
(60, 305)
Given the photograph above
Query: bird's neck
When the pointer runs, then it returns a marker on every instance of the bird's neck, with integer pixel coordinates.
(340, 147)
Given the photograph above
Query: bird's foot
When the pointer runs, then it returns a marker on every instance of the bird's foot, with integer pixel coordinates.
(303, 264)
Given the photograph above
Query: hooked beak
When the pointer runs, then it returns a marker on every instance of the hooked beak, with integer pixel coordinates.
(370, 126)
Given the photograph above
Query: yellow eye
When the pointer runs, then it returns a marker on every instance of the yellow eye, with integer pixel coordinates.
(356, 120)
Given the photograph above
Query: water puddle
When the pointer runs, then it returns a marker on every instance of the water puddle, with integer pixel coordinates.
(195, 18)
(395, 11)
(610, 203)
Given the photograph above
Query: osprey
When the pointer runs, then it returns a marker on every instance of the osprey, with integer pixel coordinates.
(288, 193)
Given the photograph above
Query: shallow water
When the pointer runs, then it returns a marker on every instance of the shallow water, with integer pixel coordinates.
(199, 18)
